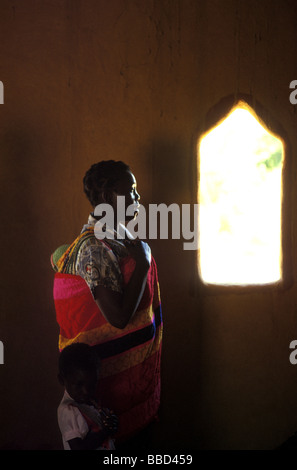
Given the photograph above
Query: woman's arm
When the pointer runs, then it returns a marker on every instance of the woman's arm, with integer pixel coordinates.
(119, 308)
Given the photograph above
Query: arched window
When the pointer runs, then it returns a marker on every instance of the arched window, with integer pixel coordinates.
(240, 201)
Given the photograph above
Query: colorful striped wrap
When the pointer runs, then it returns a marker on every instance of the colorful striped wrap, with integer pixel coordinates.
(130, 358)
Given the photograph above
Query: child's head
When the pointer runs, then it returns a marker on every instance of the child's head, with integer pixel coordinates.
(78, 371)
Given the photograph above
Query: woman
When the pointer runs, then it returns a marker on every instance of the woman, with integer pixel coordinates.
(106, 294)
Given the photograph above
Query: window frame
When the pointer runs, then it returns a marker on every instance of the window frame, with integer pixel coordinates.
(215, 115)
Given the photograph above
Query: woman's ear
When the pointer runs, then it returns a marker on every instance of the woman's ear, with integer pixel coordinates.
(109, 197)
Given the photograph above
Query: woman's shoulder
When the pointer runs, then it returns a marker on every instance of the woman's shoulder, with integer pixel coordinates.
(112, 246)
(92, 243)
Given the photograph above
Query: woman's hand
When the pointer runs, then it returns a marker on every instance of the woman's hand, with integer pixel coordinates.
(140, 251)
(110, 421)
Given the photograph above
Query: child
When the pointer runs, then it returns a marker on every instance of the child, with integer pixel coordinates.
(83, 425)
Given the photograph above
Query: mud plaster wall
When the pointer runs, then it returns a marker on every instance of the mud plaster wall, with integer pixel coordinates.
(134, 80)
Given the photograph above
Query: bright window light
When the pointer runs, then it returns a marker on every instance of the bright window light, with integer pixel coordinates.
(240, 196)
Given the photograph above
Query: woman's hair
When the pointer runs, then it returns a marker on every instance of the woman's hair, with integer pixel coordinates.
(102, 177)
(77, 356)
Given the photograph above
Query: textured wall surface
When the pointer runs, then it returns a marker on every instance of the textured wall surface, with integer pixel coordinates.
(135, 80)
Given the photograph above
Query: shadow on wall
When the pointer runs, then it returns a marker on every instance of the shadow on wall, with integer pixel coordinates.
(28, 326)
(172, 182)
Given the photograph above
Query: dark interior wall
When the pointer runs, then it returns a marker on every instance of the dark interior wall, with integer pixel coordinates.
(134, 80)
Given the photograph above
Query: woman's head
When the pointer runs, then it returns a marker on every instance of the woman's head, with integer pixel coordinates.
(102, 178)
(106, 180)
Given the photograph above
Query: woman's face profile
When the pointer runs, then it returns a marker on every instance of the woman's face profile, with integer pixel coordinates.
(127, 186)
